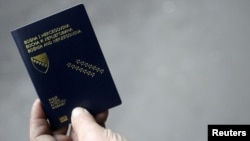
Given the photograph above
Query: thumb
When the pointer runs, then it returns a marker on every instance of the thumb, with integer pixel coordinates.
(86, 128)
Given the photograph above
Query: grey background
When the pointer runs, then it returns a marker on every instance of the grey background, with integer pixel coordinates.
(178, 65)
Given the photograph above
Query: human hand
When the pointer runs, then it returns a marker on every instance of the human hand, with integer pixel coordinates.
(84, 127)
(40, 129)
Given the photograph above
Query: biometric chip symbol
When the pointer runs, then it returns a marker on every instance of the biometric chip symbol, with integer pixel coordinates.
(41, 62)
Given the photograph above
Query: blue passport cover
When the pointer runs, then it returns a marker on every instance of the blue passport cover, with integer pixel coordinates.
(66, 65)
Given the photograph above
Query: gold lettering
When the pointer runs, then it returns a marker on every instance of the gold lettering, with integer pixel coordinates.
(47, 43)
(47, 38)
(32, 39)
(33, 49)
(32, 44)
(55, 102)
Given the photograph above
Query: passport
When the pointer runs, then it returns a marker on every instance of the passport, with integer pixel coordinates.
(66, 65)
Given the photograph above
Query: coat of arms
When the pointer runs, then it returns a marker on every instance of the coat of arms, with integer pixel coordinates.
(41, 62)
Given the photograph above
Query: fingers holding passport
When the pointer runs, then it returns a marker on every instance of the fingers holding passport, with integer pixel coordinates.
(39, 124)
(84, 126)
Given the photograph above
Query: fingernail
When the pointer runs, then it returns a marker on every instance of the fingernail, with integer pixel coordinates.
(77, 111)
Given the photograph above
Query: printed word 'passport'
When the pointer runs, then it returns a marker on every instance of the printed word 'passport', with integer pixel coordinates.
(66, 65)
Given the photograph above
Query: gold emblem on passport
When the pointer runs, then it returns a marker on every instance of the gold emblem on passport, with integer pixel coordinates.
(63, 119)
(41, 62)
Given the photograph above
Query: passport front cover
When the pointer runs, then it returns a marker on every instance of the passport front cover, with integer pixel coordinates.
(66, 65)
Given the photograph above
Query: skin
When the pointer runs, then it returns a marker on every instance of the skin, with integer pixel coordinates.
(40, 128)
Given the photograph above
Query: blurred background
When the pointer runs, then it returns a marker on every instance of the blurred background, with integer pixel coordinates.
(178, 65)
